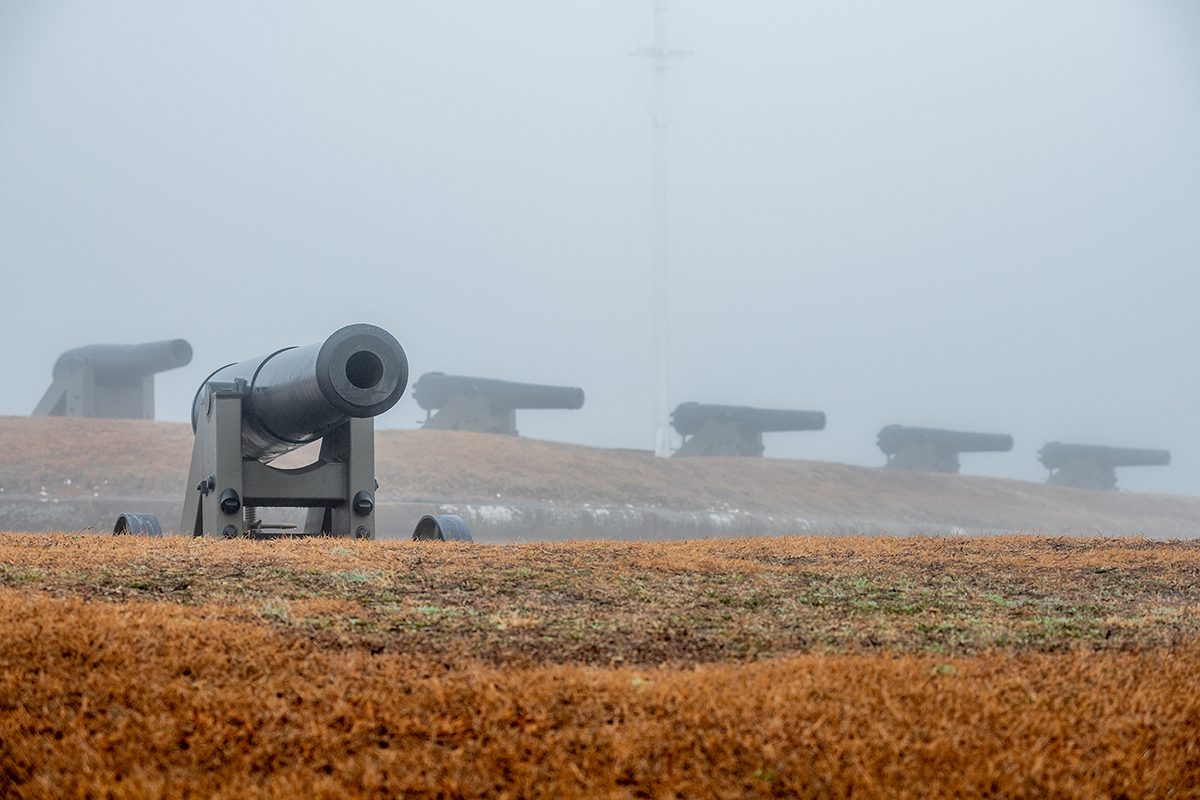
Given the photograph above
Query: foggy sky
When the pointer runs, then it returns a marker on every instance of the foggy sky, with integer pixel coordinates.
(977, 215)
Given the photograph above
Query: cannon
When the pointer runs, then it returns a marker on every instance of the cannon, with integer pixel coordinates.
(935, 449)
(1088, 466)
(716, 430)
(247, 414)
(485, 405)
(114, 381)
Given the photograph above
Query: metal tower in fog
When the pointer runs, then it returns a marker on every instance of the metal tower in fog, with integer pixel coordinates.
(660, 57)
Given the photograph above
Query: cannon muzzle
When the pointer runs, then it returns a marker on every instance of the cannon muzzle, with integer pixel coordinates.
(298, 394)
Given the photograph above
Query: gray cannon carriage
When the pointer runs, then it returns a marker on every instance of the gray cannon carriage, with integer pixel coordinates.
(114, 381)
(246, 415)
(935, 449)
(1089, 466)
(717, 430)
(486, 405)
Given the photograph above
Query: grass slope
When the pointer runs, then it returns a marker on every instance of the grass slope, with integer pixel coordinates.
(81, 457)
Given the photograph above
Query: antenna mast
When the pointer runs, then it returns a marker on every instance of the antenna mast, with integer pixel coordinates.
(660, 57)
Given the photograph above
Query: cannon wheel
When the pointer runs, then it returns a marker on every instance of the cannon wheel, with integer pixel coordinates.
(137, 524)
(442, 528)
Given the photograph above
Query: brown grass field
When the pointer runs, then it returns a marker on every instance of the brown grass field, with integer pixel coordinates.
(791, 667)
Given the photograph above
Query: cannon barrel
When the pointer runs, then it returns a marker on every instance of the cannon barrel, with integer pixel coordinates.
(1056, 455)
(894, 438)
(296, 395)
(434, 389)
(689, 418)
(125, 363)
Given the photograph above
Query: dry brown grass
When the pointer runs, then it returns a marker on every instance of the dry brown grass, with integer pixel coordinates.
(148, 699)
(651, 603)
(1017, 667)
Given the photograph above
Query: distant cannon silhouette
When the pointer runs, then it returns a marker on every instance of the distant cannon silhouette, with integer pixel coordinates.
(1089, 466)
(114, 381)
(718, 430)
(486, 405)
(935, 449)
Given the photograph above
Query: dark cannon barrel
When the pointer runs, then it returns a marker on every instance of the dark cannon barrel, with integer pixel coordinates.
(1056, 455)
(296, 395)
(688, 418)
(893, 438)
(125, 363)
(434, 389)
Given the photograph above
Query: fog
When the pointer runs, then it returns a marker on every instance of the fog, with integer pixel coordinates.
(974, 215)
